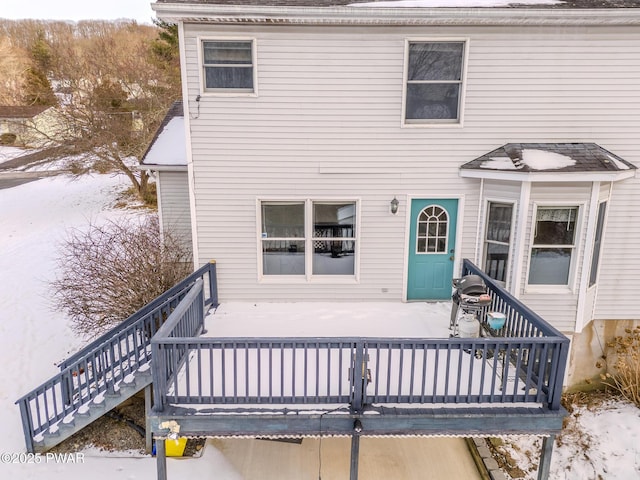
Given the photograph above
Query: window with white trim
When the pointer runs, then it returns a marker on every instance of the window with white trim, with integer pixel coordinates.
(306, 238)
(554, 244)
(434, 75)
(497, 241)
(228, 65)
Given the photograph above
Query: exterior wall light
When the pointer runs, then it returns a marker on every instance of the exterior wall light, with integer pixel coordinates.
(394, 205)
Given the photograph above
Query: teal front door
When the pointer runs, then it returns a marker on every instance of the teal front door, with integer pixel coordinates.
(431, 248)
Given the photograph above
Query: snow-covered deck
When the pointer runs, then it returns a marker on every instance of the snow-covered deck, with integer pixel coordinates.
(308, 369)
(325, 319)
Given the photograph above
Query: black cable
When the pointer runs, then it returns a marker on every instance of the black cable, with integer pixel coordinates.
(320, 442)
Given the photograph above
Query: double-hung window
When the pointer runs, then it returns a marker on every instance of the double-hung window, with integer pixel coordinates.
(554, 244)
(228, 65)
(498, 240)
(434, 82)
(308, 238)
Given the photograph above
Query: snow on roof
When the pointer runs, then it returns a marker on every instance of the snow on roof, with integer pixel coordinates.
(618, 163)
(540, 157)
(498, 163)
(543, 160)
(170, 145)
(453, 3)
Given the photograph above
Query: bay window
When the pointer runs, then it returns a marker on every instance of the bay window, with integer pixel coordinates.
(553, 245)
(497, 240)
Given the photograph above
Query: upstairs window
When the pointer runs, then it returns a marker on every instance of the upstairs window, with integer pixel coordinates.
(433, 92)
(228, 65)
(553, 245)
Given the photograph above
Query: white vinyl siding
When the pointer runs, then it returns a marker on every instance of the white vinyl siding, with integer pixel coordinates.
(617, 297)
(175, 213)
(328, 123)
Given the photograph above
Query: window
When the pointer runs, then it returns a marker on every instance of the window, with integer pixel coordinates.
(433, 227)
(308, 238)
(597, 244)
(228, 65)
(434, 82)
(497, 240)
(553, 245)
(283, 239)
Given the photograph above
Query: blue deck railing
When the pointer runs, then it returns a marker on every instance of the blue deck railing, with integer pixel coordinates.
(525, 363)
(101, 365)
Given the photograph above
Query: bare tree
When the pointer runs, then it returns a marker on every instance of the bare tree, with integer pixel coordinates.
(13, 66)
(109, 271)
(114, 85)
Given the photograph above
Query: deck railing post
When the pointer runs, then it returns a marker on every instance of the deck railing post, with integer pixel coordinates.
(358, 377)
(159, 376)
(213, 283)
(25, 415)
(557, 376)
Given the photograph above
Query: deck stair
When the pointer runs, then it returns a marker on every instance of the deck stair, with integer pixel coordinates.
(105, 373)
(93, 410)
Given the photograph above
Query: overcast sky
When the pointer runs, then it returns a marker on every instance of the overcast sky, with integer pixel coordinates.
(139, 10)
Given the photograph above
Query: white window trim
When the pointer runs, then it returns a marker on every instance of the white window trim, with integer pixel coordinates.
(463, 84)
(230, 92)
(308, 277)
(512, 234)
(570, 287)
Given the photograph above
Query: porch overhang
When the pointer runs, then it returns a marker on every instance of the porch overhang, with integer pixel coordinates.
(548, 177)
(550, 163)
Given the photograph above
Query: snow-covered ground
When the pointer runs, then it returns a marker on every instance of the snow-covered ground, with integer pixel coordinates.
(8, 153)
(33, 220)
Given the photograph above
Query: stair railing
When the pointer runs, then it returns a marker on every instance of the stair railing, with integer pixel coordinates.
(97, 369)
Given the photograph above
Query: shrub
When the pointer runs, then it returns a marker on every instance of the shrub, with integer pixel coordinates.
(8, 138)
(109, 271)
(625, 375)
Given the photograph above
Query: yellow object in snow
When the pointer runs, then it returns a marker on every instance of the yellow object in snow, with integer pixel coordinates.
(175, 448)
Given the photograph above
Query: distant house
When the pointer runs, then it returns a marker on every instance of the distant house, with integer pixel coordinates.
(166, 157)
(352, 150)
(26, 125)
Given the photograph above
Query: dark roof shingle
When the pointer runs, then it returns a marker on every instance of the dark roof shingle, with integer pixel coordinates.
(550, 157)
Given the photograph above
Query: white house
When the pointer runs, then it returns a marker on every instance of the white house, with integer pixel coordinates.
(343, 150)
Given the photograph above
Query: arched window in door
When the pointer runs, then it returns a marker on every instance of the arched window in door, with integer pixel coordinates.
(432, 231)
